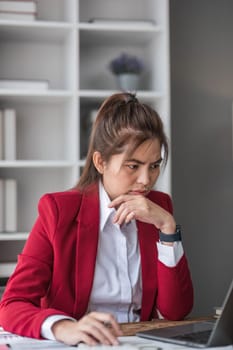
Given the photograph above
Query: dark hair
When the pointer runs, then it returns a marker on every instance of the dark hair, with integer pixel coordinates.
(121, 120)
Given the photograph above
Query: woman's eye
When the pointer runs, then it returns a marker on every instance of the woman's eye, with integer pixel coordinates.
(155, 166)
(132, 166)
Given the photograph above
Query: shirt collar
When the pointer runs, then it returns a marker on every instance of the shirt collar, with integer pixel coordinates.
(105, 211)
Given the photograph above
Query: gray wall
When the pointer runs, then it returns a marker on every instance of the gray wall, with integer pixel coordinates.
(202, 165)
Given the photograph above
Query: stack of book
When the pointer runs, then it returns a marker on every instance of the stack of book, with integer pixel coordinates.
(18, 10)
(8, 134)
(8, 205)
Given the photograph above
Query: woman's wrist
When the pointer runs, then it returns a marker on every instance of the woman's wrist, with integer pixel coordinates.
(171, 244)
(168, 228)
(59, 326)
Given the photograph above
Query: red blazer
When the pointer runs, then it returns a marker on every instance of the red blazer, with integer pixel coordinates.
(55, 271)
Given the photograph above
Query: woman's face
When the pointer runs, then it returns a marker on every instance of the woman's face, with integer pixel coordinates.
(134, 175)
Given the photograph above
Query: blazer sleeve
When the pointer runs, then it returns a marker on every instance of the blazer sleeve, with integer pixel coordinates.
(20, 308)
(175, 289)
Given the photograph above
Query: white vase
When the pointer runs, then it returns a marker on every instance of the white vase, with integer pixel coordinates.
(127, 81)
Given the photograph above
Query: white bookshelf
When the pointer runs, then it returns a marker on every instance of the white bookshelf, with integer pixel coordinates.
(63, 47)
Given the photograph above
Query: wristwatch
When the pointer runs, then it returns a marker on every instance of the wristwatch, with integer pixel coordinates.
(173, 237)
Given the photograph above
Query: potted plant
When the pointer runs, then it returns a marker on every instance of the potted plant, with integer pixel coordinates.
(127, 69)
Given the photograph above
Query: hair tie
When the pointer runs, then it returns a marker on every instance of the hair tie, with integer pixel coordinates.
(132, 98)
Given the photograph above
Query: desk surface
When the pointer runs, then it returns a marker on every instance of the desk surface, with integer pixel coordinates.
(134, 327)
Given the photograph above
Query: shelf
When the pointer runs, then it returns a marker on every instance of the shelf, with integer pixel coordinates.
(112, 35)
(123, 26)
(33, 30)
(35, 24)
(13, 236)
(43, 95)
(36, 164)
(62, 95)
(37, 53)
(130, 10)
(101, 94)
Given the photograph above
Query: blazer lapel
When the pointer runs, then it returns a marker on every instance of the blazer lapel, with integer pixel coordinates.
(147, 241)
(86, 250)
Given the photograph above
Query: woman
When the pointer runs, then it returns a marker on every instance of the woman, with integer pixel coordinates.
(109, 250)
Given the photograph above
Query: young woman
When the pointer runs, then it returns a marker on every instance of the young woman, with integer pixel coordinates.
(109, 250)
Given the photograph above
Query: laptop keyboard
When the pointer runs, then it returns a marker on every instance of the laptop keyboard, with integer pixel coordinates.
(197, 337)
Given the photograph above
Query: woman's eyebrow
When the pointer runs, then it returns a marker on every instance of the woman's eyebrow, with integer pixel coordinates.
(140, 162)
(158, 161)
(135, 161)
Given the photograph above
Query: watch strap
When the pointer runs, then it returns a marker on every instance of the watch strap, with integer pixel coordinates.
(173, 237)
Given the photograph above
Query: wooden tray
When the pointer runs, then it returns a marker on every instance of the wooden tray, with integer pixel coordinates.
(134, 327)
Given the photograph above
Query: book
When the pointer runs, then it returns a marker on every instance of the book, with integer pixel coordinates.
(18, 6)
(1, 205)
(13, 16)
(9, 123)
(10, 201)
(24, 84)
(1, 134)
(93, 114)
(6, 269)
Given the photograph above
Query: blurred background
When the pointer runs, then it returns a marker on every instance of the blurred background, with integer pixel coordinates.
(202, 158)
(60, 59)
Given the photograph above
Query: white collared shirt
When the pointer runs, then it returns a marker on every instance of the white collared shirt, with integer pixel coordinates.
(117, 286)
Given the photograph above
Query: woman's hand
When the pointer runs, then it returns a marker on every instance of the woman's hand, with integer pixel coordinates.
(91, 329)
(139, 207)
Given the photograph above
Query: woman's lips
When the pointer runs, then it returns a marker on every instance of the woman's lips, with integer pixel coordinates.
(138, 192)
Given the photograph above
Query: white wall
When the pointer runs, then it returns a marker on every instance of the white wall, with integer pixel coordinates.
(202, 163)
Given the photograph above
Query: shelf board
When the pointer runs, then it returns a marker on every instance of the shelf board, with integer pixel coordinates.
(35, 23)
(13, 236)
(33, 30)
(100, 94)
(36, 95)
(120, 26)
(36, 164)
(61, 95)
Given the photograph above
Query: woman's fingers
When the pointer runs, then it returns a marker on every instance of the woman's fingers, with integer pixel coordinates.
(123, 215)
(91, 329)
(108, 321)
(139, 207)
(127, 208)
(98, 330)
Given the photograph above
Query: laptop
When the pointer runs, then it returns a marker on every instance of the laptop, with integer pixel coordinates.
(201, 334)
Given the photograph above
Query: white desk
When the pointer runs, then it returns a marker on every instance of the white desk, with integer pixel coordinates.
(127, 342)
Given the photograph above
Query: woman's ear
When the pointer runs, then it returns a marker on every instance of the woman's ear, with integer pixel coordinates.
(98, 162)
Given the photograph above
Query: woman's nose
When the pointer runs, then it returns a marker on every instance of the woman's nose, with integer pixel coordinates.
(144, 177)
